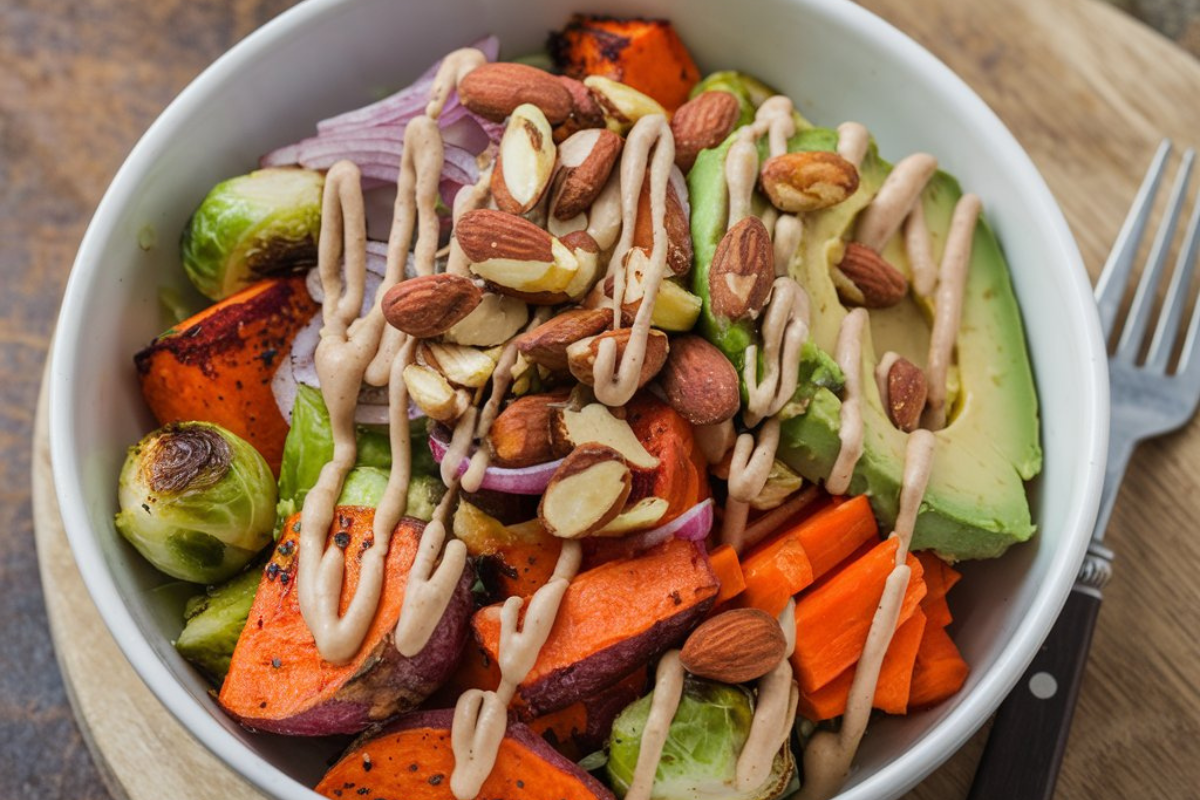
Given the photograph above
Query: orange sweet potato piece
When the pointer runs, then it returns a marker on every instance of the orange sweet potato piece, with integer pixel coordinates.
(940, 670)
(895, 678)
(411, 759)
(217, 366)
(833, 618)
(613, 619)
(583, 727)
(277, 680)
(646, 54)
(681, 477)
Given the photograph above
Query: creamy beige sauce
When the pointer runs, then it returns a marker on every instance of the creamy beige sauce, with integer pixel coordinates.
(770, 522)
(787, 234)
(715, 440)
(775, 119)
(853, 140)
(774, 714)
(668, 691)
(952, 279)
(480, 718)
(850, 429)
(467, 199)
(615, 384)
(784, 332)
(920, 251)
(882, 369)
(900, 190)
(829, 754)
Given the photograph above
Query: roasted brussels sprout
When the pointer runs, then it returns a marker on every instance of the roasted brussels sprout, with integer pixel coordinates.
(213, 621)
(699, 759)
(254, 225)
(196, 501)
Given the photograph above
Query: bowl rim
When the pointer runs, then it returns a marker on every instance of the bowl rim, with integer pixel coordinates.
(889, 781)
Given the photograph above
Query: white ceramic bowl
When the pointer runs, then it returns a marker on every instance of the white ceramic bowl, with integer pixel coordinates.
(836, 60)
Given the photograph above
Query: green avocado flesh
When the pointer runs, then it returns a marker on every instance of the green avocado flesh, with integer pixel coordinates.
(975, 504)
(214, 621)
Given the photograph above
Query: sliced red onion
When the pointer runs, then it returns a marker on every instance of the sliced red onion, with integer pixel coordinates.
(679, 183)
(524, 480)
(283, 386)
(692, 525)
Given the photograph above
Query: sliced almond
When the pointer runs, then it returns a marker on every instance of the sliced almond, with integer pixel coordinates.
(433, 394)
(585, 111)
(676, 224)
(512, 253)
(808, 180)
(907, 390)
(520, 435)
(587, 256)
(586, 492)
(461, 365)
(429, 305)
(675, 308)
(495, 90)
(622, 105)
(700, 382)
(494, 321)
(581, 356)
(586, 162)
(525, 162)
(879, 284)
(735, 647)
(594, 422)
(547, 344)
(742, 270)
(643, 514)
(703, 123)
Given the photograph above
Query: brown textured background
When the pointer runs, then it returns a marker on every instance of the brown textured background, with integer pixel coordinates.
(1087, 93)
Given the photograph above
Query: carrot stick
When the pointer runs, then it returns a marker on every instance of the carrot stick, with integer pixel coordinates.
(724, 562)
(833, 619)
(895, 678)
(940, 670)
(774, 572)
(834, 533)
(937, 610)
(940, 578)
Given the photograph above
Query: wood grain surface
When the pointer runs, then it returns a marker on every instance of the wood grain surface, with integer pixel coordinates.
(1087, 91)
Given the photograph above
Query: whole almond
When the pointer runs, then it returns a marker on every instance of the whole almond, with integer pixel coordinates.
(585, 111)
(495, 90)
(880, 284)
(485, 234)
(586, 492)
(734, 647)
(700, 382)
(524, 162)
(808, 180)
(676, 223)
(906, 392)
(702, 123)
(547, 343)
(587, 160)
(429, 305)
(581, 356)
(520, 435)
(742, 271)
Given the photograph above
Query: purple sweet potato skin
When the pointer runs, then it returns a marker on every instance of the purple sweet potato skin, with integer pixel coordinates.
(601, 670)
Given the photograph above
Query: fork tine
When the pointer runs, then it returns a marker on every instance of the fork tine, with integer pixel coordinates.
(1111, 286)
(1143, 300)
(1167, 330)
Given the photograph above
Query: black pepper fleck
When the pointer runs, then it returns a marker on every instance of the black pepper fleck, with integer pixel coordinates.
(272, 571)
(413, 768)
(296, 526)
(276, 663)
(284, 577)
(341, 539)
(364, 790)
(287, 547)
(434, 780)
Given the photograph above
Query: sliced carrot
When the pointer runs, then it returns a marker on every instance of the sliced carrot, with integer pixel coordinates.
(940, 670)
(724, 561)
(832, 534)
(612, 619)
(774, 572)
(937, 610)
(895, 678)
(681, 477)
(645, 54)
(940, 578)
(217, 366)
(832, 620)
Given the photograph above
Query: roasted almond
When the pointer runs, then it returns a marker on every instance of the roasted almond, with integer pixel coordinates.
(586, 162)
(675, 308)
(586, 492)
(461, 365)
(585, 111)
(734, 647)
(700, 382)
(742, 270)
(495, 90)
(808, 180)
(907, 389)
(547, 343)
(878, 283)
(433, 394)
(676, 223)
(595, 423)
(429, 305)
(621, 104)
(525, 161)
(511, 253)
(494, 321)
(581, 356)
(702, 123)
(520, 435)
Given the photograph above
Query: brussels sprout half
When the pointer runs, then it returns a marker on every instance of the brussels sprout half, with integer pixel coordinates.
(253, 225)
(699, 759)
(196, 501)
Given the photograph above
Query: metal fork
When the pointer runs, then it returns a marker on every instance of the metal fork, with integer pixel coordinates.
(1026, 744)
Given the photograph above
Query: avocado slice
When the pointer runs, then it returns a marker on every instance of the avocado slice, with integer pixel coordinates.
(975, 505)
(214, 621)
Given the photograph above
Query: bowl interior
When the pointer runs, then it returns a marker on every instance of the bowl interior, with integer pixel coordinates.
(838, 63)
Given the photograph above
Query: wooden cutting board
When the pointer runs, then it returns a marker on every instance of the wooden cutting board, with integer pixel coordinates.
(1089, 93)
